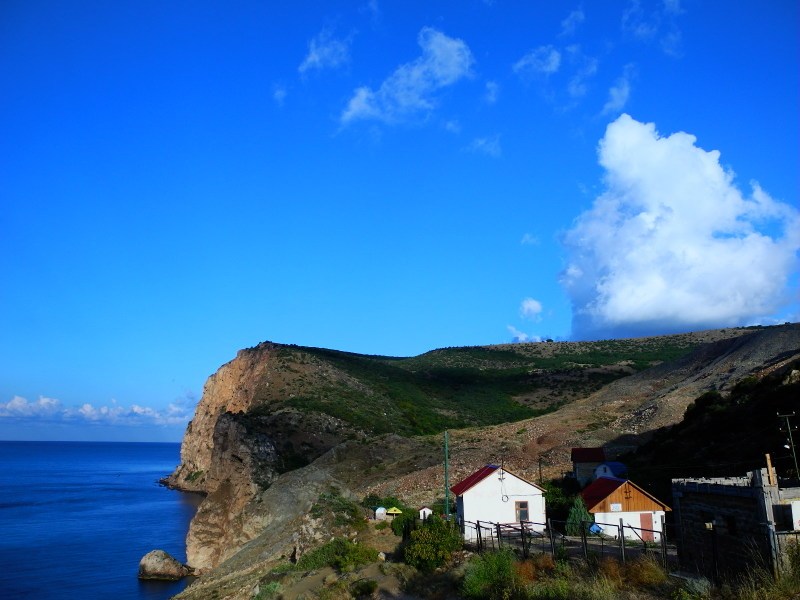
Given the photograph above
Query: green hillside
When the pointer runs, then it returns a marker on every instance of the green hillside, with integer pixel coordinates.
(463, 387)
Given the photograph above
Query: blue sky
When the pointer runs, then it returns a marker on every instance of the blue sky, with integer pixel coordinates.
(180, 180)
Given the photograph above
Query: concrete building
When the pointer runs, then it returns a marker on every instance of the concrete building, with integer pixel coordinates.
(726, 524)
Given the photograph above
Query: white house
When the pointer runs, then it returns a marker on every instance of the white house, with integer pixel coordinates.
(380, 513)
(494, 494)
(610, 500)
(425, 512)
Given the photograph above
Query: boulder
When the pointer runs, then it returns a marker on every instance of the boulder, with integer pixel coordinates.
(158, 564)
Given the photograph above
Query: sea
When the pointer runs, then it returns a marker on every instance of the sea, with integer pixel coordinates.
(76, 518)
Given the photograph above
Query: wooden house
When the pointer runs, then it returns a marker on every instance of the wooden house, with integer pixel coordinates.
(494, 494)
(612, 500)
(584, 463)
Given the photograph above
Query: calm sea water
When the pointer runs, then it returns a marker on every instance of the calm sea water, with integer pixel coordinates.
(76, 518)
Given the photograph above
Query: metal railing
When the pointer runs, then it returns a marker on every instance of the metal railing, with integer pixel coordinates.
(527, 537)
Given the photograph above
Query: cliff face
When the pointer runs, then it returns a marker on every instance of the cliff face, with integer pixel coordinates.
(240, 440)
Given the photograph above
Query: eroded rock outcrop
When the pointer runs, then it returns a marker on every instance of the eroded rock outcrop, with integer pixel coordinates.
(158, 564)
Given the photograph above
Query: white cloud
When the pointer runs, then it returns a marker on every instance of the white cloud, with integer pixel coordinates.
(673, 244)
(619, 93)
(529, 240)
(51, 410)
(412, 87)
(20, 407)
(544, 60)
(520, 336)
(571, 22)
(492, 92)
(325, 52)
(486, 145)
(279, 94)
(530, 309)
(660, 23)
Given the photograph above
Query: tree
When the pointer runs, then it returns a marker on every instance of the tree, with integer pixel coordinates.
(577, 513)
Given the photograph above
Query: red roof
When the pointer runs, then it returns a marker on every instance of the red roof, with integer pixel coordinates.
(478, 476)
(599, 490)
(584, 455)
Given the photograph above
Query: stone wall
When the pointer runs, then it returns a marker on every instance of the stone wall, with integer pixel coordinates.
(725, 525)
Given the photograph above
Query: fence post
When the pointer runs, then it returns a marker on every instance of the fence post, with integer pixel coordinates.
(478, 530)
(584, 541)
(525, 546)
(499, 540)
(622, 540)
(552, 538)
(664, 544)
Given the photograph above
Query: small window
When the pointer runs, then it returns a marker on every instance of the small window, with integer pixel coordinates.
(522, 510)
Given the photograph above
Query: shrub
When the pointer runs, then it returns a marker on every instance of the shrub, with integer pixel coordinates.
(339, 553)
(268, 591)
(493, 576)
(399, 522)
(363, 587)
(433, 544)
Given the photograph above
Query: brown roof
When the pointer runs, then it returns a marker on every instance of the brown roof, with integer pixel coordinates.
(584, 455)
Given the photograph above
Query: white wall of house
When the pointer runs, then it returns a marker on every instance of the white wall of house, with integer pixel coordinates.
(497, 500)
(633, 519)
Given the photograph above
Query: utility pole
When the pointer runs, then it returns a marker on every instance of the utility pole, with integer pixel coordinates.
(791, 442)
(446, 478)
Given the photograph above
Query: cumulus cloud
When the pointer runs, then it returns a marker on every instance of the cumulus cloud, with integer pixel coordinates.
(544, 60)
(673, 244)
(412, 87)
(51, 410)
(572, 21)
(530, 309)
(486, 145)
(325, 52)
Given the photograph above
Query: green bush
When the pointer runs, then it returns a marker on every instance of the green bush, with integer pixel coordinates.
(363, 588)
(399, 522)
(493, 576)
(433, 544)
(268, 591)
(339, 553)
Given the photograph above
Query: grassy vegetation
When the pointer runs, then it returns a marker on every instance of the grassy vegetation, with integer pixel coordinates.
(340, 553)
(461, 387)
(338, 510)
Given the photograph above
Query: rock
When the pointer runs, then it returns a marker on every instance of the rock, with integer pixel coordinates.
(381, 556)
(157, 564)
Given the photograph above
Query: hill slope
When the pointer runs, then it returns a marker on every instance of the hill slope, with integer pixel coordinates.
(278, 415)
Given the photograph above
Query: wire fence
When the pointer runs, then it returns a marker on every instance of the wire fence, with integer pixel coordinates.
(552, 537)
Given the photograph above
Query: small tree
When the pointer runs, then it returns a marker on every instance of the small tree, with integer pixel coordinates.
(577, 513)
(432, 544)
